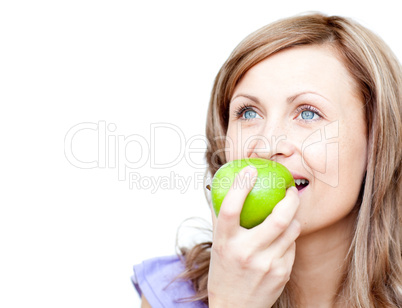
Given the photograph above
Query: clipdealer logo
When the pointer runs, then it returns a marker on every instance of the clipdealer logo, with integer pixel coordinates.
(113, 153)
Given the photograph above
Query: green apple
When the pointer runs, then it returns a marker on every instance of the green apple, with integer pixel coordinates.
(270, 187)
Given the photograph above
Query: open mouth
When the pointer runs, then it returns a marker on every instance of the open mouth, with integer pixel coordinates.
(301, 183)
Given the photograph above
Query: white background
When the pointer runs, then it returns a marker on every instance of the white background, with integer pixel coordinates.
(69, 236)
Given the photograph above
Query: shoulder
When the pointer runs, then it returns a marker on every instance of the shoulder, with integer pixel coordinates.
(156, 280)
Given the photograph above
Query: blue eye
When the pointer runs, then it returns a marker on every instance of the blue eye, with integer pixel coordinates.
(250, 114)
(307, 115)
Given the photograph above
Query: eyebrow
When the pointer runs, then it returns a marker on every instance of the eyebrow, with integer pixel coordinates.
(289, 100)
(293, 97)
(251, 97)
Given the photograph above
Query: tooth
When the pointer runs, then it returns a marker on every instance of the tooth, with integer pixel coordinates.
(303, 181)
(297, 182)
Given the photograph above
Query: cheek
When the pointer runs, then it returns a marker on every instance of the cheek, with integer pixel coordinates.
(231, 147)
(353, 151)
(239, 141)
(353, 162)
(322, 162)
(320, 154)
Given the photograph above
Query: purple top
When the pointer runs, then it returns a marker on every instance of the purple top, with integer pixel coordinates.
(154, 278)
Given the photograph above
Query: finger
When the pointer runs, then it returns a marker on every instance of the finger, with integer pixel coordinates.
(288, 257)
(280, 246)
(278, 269)
(280, 218)
(282, 267)
(229, 215)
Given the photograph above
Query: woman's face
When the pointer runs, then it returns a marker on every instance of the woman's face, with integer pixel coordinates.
(301, 108)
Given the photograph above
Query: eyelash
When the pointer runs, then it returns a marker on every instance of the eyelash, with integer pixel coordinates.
(246, 107)
(242, 109)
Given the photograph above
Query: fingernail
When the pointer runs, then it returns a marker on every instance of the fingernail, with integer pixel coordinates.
(250, 170)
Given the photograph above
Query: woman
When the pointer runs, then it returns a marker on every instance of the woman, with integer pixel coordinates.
(321, 95)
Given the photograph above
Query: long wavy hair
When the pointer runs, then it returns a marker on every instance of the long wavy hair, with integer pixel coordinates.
(373, 271)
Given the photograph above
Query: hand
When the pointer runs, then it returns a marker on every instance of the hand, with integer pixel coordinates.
(250, 267)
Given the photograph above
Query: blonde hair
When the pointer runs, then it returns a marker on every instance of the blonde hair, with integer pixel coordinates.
(373, 274)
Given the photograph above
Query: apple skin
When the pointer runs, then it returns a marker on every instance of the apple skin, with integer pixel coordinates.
(270, 187)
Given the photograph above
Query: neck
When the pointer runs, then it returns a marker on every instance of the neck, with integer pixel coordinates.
(320, 264)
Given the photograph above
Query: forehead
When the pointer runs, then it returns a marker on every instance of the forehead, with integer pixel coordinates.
(316, 68)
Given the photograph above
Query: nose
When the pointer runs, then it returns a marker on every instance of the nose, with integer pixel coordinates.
(275, 142)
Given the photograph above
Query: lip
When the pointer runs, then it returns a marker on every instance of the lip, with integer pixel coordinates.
(298, 176)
